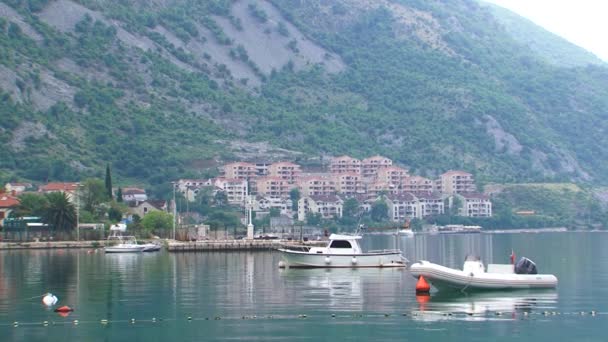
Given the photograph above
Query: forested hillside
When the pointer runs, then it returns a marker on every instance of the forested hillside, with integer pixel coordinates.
(165, 88)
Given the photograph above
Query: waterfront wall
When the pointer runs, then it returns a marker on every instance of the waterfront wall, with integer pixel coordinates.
(236, 245)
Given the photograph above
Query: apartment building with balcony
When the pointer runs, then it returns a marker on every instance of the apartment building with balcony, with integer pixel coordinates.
(417, 184)
(316, 185)
(273, 186)
(285, 170)
(349, 184)
(345, 164)
(238, 170)
(328, 206)
(370, 166)
(430, 204)
(402, 207)
(474, 205)
(392, 174)
(236, 189)
(455, 182)
(378, 188)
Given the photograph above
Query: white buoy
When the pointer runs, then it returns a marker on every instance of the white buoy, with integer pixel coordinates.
(354, 260)
(327, 260)
(49, 299)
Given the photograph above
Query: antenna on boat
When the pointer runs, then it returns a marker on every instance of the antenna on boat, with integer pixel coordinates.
(360, 229)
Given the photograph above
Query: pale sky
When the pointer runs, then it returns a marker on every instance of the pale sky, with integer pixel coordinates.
(582, 22)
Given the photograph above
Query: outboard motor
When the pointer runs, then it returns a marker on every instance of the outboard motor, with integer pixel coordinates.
(525, 266)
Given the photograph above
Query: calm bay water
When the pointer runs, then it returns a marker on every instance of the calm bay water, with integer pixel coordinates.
(244, 296)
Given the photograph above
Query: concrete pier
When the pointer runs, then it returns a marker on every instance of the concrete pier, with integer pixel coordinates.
(236, 245)
(52, 244)
(171, 245)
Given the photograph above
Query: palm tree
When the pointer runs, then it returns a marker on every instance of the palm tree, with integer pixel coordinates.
(60, 212)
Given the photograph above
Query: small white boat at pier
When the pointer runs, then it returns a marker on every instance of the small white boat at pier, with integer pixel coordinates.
(342, 251)
(474, 276)
(124, 244)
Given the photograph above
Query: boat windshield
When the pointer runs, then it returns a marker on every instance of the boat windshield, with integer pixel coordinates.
(340, 244)
(472, 257)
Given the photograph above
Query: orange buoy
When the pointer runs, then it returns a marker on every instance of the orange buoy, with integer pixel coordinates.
(422, 286)
(64, 308)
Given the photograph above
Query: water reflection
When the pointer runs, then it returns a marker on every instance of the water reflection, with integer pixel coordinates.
(348, 289)
(484, 305)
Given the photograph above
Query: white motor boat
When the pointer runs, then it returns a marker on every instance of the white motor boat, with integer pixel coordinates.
(405, 232)
(342, 251)
(474, 276)
(124, 244)
(151, 247)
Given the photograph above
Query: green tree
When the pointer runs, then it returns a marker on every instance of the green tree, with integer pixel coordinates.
(294, 195)
(119, 195)
(379, 212)
(350, 210)
(115, 212)
(275, 212)
(60, 213)
(456, 204)
(313, 219)
(108, 181)
(92, 193)
(221, 199)
(157, 220)
(223, 218)
(31, 205)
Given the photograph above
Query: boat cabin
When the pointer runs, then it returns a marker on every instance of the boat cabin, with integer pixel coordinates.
(339, 244)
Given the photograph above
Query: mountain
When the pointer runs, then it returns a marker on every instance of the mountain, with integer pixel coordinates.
(168, 88)
(553, 48)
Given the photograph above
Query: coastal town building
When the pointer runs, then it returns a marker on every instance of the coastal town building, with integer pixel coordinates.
(69, 189)
(430, 204)
(273, 186)
(392, 174)
(265, 203)
(184, 184)
(379, 188)
(345, 164)
(328, 206)
(261, 167)
(145, 207)
(134, 195)
(8, 203)
(16, 188)
(370, 166)
(236, 189)
(316, 185)
(402, 207)
(349, 184)
(417, 184)
(474, 205)
(285, 170)
(455, 182)
(239, 170)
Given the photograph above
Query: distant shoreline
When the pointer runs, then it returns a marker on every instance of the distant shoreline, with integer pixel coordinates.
(527, 230)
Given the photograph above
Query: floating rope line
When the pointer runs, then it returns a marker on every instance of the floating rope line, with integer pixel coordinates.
(414, 315)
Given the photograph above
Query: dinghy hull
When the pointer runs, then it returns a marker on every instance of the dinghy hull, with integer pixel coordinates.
(444, 278)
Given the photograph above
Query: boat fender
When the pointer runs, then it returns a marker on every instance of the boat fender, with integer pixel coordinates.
(354, 260)
(327, 260)
(471, 274)
(49, 299)
(64, 308)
